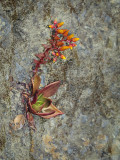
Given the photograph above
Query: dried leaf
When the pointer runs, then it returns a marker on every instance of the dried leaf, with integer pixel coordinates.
(19, 121)
(50, 89)
(35, 82)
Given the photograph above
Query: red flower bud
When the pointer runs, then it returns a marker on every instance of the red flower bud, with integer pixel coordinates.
(55, 21)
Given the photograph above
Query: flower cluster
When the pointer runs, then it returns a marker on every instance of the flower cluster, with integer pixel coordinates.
(60, 40)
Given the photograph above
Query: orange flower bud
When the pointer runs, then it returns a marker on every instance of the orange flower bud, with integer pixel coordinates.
(59, 43)
(66, 33)
(57, 54)
(61, 31)
(56, 38)
(64, 48)
(63, 57)
(75, 39)
(60, 24)
(70, 36)
(51, 26)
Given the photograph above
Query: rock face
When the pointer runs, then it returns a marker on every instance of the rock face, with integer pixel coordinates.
(89, 96)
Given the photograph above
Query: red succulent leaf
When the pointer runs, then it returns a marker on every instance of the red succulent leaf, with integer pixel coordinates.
(34, 99)
(50, 89)
(35, 83)
(30, 120)
(50, 109)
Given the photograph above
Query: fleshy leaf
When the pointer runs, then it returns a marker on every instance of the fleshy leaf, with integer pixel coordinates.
(49, 110)
(38, 108)
(50, 89)
(35, 82)
(40, 100)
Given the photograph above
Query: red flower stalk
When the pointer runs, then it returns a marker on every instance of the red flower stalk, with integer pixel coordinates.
(60, 41)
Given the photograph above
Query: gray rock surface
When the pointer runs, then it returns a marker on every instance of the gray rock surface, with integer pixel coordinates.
(90, 94)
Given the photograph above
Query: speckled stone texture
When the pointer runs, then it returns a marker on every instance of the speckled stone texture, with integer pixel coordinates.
(89, 94)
